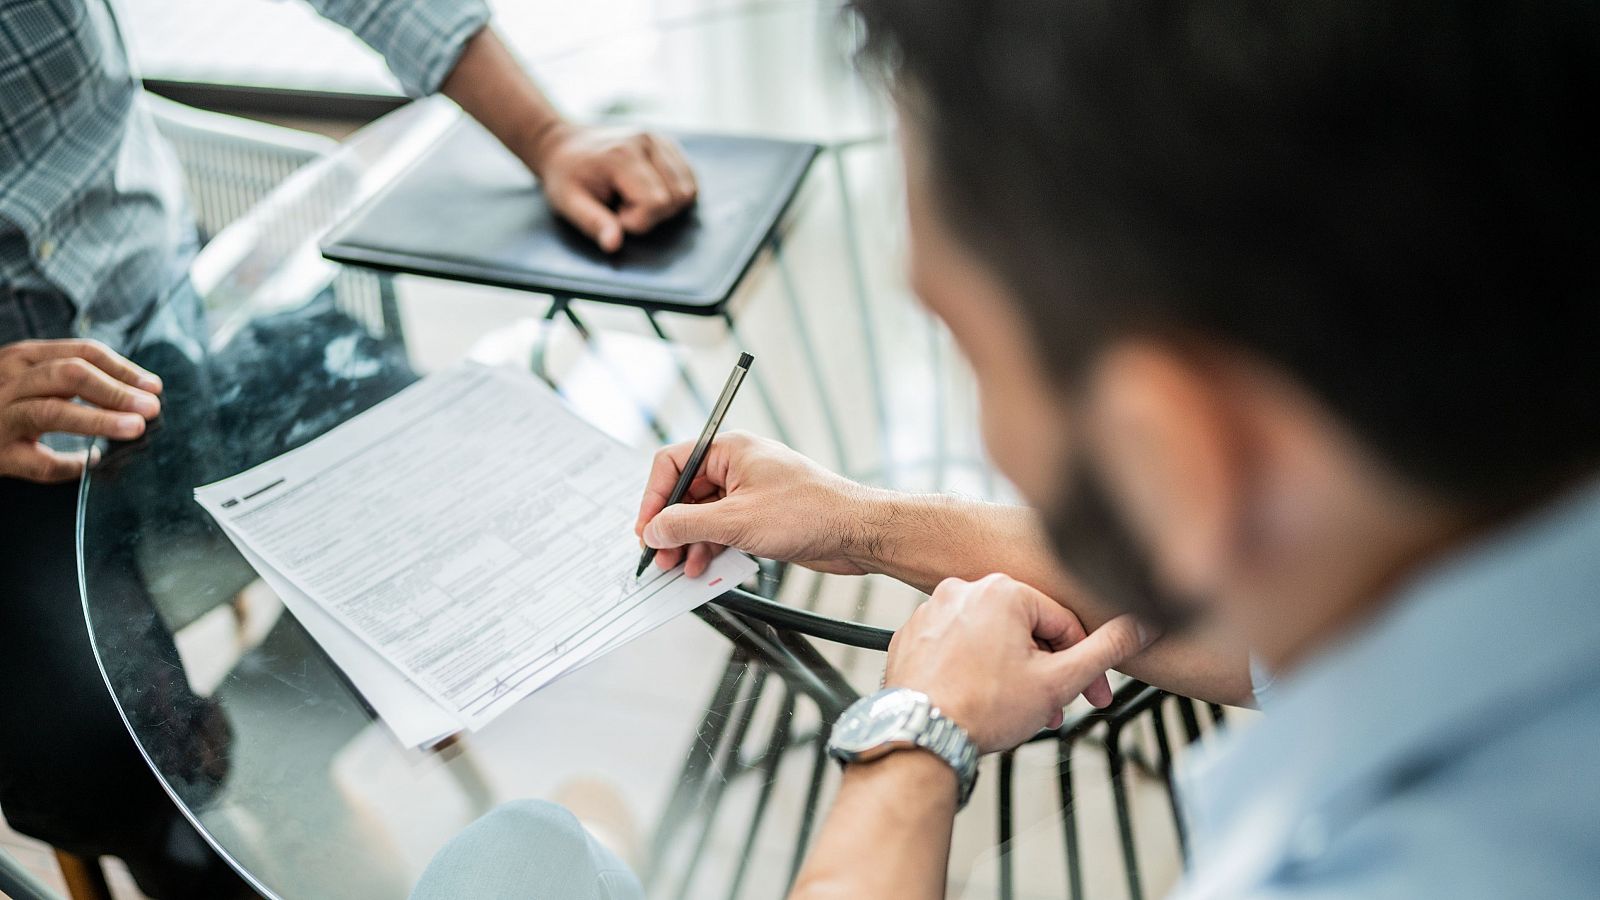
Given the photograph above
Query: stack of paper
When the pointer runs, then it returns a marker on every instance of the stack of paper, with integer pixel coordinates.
(458, 546)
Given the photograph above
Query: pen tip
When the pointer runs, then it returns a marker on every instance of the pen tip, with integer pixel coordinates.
(745, 360)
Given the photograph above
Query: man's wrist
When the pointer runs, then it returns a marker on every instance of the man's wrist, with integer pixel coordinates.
(538, 138)
(915, 772)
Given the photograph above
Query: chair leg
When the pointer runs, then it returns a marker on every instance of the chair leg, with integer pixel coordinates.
(1119, 795)
(1007, 763)
(85, 879)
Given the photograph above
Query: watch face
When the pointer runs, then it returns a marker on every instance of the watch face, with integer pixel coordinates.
(882, 717)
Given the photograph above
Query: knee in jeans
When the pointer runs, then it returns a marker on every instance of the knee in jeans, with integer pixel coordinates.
(552, 824)
(526, 848)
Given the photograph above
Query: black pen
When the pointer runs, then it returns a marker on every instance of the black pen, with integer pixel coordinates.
(687, 476)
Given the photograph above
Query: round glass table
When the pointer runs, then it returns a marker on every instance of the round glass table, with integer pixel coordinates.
(697, 748)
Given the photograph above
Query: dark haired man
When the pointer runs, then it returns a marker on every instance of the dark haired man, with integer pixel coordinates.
(1284, 319)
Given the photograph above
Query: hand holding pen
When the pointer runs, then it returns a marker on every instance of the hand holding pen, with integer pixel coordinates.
(691, 468)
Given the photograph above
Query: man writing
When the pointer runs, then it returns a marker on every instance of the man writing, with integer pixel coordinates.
(94, 235)
(1284, 320)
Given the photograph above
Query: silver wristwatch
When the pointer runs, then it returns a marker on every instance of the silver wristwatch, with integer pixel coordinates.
(901, 719)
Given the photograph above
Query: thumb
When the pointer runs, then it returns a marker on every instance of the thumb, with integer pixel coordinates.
(689, 523)
(1075, 668)
(590, 216)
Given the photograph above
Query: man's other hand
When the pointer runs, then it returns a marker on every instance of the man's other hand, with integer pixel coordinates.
(761, 497)
(610, 182)
(1002, 660)
(39, 380)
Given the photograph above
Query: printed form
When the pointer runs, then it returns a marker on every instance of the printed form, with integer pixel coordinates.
(471, 533)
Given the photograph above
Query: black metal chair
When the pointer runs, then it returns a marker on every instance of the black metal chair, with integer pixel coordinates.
(773, 650)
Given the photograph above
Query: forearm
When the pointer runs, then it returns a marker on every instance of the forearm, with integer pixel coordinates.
(492, 87)
(922, 539)
(888, 834)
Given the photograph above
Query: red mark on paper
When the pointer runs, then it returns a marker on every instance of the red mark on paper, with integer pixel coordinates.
(715, 583)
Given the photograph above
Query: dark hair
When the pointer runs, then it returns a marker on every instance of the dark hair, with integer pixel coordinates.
(1395, 202)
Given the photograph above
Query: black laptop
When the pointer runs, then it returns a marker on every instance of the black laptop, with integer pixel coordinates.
(469, 211)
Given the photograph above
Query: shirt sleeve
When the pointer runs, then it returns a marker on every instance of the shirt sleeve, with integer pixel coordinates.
(419, 39)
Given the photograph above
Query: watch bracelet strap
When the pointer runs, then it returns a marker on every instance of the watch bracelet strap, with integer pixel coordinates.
(948, 741)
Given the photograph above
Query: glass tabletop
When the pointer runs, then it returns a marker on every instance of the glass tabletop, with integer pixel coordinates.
(698, 746)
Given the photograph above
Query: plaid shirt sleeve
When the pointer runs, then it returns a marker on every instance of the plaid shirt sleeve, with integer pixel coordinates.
(420, 39)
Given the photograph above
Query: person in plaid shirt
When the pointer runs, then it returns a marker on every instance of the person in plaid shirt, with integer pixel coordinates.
(94, 231)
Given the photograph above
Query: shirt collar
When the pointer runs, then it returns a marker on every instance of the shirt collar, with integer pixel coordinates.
(1475, 640)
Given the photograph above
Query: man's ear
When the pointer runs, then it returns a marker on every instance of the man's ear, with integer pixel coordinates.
(1159, 430)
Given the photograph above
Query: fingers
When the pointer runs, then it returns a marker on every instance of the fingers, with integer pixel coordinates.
(664, 471)
(32, 461)
(1073, 670)
(1058, 628)
(40, 415)
(608, 184)
(1053, 624)
(674, 168)
(698, 560)
(692, 523)
(669, 559)
(1098, 693)
(75, 377)
(93, 352)
(590, 216)
(653, 182)
(695, 531)
(645, 199)
(668, 464)
(1055, 629)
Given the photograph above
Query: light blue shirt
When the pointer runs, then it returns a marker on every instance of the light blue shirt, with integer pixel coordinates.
(1449, 749)
(91, 202)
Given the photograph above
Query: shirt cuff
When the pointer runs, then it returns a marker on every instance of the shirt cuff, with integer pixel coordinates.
(421, 40)
(1261, 681)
